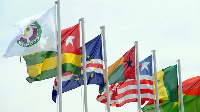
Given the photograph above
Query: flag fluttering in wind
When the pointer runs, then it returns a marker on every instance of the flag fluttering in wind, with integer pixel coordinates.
(191, 98)
(191, 92)
(168, 84)
(37, 33)
(122, 69)
(94, 69)
(146, 80)
(125, 92)
(43, 65)
(70, 49)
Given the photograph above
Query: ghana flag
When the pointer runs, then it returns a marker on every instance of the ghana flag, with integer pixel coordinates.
(122, 69)
(43, 65)
(191, 98)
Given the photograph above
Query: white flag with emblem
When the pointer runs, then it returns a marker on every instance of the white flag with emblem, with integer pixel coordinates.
(37, 33)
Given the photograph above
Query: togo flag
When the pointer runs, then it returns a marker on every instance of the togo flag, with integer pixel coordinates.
(37, 33)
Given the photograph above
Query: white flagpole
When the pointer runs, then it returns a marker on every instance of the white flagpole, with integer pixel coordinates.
(106, 69)
(156, 81)
(84, 64)
(138, 75)
(180, 85)
(59, 57)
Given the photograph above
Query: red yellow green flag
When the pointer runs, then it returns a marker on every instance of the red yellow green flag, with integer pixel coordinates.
(122, 69)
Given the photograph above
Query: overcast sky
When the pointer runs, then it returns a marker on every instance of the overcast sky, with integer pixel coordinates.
(170, 27)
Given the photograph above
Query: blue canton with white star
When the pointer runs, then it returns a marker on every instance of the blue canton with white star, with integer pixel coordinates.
(145, 66)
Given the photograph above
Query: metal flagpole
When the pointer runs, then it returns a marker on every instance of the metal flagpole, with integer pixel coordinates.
(84, 64)
(59, 57)
(156, 81)
(138, 75)
(180, 85)
(106, 69)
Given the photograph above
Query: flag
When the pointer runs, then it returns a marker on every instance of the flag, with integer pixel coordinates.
(37, 33)
(122, 69)
(165, 106)
(70, 49)
(191, 98)
(168, 84)
(43, 65)
(146, 80)
(191, 92)
(94, 69)
(125, 92)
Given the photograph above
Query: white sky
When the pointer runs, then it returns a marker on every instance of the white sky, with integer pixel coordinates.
(169, 27)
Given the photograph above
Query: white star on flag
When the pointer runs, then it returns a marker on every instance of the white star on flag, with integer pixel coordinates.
(69, 40)
(144, 65)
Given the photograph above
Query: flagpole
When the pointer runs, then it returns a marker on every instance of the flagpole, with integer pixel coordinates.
(106, 68)
(59, 57)
(138, 75)
(180, 85)
(84, 64)
(156, 81)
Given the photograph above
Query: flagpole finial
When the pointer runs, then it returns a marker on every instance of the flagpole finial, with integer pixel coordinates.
(153, 51)
(81, 19)
(177, 61)
(102, 27)
(56, 2)
(136, 43)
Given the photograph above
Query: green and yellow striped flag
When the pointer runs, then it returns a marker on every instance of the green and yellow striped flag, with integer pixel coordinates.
(168, 84)
(41, 65)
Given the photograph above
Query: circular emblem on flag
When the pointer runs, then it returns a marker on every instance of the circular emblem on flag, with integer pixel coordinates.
(31, 35)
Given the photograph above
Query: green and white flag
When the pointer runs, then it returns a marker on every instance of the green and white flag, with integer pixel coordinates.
(37, 33)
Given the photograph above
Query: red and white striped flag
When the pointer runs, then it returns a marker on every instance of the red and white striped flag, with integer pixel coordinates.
(125, 92)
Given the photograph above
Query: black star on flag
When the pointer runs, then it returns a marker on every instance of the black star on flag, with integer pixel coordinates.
(129, 63)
